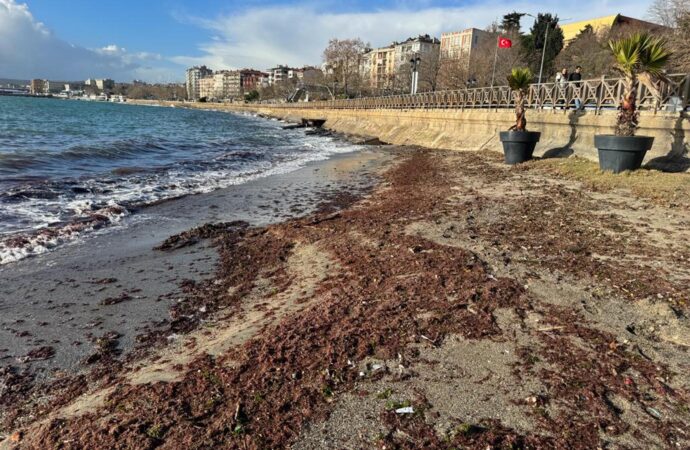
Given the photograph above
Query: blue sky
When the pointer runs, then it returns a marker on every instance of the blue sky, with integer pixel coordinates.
(155, 40)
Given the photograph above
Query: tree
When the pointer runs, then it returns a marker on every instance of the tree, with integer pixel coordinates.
(534, 44)
(676, 15)
(640, 58)
(252, 96)
(669, 13)
(590, 51)
(482, 63)
(679, 45)
(452, 74)
(511, 22)
(519, 81)
(342, 57)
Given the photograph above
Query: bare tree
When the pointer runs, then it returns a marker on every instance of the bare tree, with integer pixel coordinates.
(589, 50)
(676, 15)
(669, 12)
(482, 63)
(342, 57)
(452, 74)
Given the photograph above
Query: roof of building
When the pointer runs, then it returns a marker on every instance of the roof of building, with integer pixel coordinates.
(468, 30)
(571, 30)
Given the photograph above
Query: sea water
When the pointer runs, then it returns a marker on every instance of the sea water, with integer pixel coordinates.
(69, 167)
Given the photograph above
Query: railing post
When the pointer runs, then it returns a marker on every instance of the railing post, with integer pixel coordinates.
(686, 93)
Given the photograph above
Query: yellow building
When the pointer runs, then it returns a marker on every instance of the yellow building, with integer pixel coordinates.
(603, 24)
(378, 65)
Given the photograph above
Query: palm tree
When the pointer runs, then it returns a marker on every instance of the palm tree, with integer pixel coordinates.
(641, 59)
(519, 81)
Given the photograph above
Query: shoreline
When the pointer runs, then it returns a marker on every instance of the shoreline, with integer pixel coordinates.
(57, 306)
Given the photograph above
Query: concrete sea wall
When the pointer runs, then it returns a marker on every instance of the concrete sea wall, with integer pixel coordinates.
(563, 132)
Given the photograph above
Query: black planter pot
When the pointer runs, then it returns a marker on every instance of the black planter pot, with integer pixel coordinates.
(619, 153)
(518, 146)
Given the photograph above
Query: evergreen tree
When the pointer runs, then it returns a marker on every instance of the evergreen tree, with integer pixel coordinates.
(511, 22)
(533, 44)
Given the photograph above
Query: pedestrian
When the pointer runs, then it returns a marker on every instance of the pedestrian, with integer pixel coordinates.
(562, 85)
(576, 80)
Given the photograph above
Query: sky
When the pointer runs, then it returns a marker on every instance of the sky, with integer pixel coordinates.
(155, 40)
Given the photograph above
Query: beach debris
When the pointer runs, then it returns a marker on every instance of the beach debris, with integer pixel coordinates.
(405, 410)
(654, 413)
(123, 297)
(38, 354)
(106, 346)
(195, 235)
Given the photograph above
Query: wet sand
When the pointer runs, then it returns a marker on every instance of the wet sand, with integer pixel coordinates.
(114, 282)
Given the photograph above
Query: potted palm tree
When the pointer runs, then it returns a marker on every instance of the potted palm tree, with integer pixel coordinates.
(640, 58)
(518, 143)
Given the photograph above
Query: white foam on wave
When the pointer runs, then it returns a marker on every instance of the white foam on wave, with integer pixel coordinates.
(41, 237)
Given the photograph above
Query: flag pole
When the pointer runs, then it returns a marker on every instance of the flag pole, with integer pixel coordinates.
(493, 74)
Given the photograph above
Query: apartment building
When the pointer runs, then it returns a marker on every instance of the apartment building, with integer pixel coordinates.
(377, 67)
(227, 84)
(206, 87)
(426, 47)
(461, 44)
(194, 75)
(278, 74)
(38, 86)
(105, 84)
(253, 79)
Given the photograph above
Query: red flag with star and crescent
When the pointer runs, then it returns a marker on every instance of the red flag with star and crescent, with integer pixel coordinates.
(504, 42)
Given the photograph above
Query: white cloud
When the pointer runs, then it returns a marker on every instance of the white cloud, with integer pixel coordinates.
(28, 49)
(261, 37)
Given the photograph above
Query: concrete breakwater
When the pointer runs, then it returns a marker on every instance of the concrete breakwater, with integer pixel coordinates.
(563, 132)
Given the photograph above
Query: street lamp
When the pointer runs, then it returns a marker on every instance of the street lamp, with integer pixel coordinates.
(414, 64)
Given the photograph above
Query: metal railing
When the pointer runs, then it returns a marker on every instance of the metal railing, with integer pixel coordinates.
(599, 94)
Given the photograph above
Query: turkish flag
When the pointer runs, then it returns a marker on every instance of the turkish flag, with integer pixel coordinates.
(504, 42)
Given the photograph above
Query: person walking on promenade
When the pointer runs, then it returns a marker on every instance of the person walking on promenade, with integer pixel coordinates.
(562, 85)
(576, 80)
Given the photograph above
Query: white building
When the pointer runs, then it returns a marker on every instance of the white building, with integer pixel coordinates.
(194, 74)
(227, 84)
(426, 47)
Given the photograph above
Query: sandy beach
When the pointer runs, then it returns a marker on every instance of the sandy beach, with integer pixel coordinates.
(113, 286)
(462, 304)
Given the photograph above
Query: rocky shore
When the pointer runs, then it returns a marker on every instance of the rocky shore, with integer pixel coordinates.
(462, 304)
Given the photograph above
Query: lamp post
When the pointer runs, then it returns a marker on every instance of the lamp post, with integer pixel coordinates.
(414, 64)
(543, 50)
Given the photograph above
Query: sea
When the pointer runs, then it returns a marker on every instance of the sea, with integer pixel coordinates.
(69, 168)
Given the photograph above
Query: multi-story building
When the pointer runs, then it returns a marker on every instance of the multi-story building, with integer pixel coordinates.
(38, 86)
(227, 84)
(603, 24)
(381, 64)
(426, 47)
(194, 75)
(253, 79)
(278, 74)
(207, 87)
(105, 84)
(461, 44)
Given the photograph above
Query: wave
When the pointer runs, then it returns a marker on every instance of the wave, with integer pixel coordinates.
(40, 216)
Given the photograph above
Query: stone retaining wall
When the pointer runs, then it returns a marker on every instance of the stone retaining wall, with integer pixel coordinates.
(563, 132)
